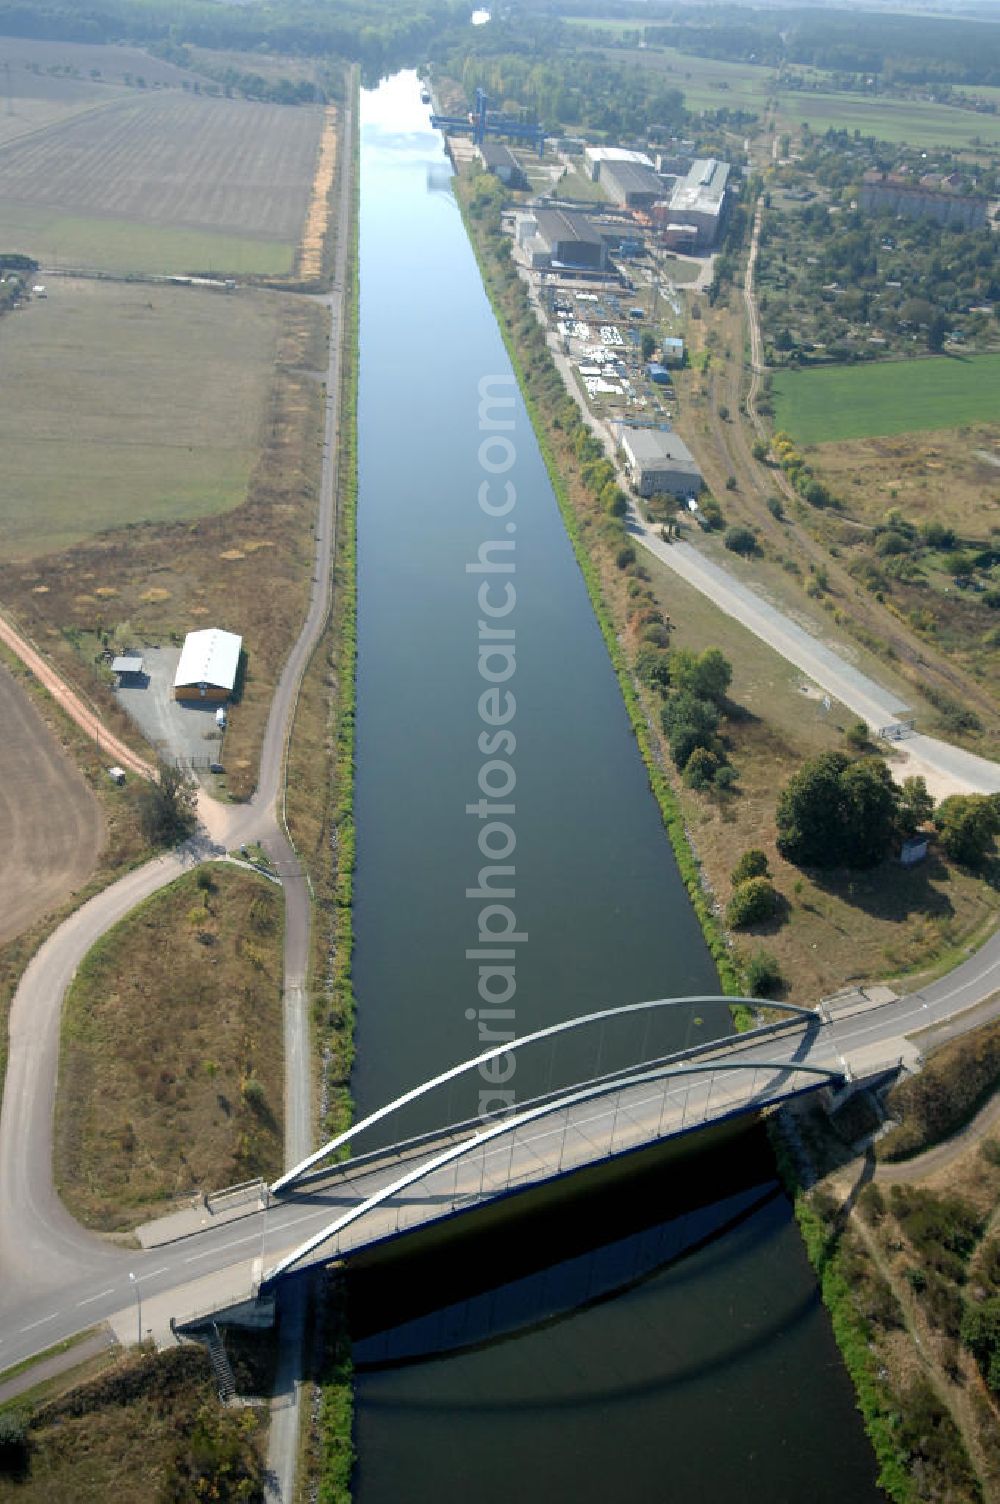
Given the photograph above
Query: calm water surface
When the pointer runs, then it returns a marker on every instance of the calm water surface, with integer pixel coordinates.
(660, 1340)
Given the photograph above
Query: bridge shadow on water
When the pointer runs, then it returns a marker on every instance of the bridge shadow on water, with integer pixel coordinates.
(532, 1264)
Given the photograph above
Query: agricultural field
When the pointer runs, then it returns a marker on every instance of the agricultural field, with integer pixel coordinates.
(34, 102)
(89, 61)
(166, 182)
(706, 83)
(890, 397)
(127, 403)
(917, 122)
(51, 827)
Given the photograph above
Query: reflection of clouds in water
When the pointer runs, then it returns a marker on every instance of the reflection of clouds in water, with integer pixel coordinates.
(439, 175)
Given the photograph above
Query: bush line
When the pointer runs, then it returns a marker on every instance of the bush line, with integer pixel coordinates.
(336, 1403)
(850, 1332)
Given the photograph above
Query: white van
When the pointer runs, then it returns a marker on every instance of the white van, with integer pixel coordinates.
(220, 717)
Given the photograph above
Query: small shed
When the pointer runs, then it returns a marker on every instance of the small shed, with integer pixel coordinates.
(127, 667)
(913, 850)
(658, 373)
(673, 352)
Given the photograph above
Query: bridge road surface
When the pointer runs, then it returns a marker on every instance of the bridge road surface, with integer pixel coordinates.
(100, 1288)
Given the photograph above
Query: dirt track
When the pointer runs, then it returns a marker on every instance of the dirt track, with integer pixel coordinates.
(51, 828)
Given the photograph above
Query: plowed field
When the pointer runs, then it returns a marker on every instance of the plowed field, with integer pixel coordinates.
(51, 829)
(231, 178)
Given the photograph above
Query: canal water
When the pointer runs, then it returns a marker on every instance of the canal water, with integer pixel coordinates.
(653, 1339)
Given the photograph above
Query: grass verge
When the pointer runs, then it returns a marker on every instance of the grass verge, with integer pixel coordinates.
(150, 1428)
(170, 1076)
(321, 821)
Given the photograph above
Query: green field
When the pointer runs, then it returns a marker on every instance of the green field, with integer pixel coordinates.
(126, 403)
(899, 396)
(706, 83)
(909, 120)
(124, 245)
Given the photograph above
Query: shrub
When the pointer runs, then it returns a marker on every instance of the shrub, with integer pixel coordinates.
(688, 722)
(740, 540)
(726, 777)
(13, 1442)
(753, 902)
(764, 978)
(753, 863)
(776, 507)
(730, 482)
(701, 768)
(969, 825)
(856, 737)
(625, 556)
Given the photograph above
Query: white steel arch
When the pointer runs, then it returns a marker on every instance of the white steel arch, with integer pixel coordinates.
(474, 1062)
(511, 1125)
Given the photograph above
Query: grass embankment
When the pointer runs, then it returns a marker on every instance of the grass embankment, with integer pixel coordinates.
(958, 1079)
(170, 1075)
(320, 814)
(832, 927)
(595, 537)
(860, 401)
(150, 1429)
(246, 570)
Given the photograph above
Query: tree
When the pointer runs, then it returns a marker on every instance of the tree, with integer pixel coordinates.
(167, 807)
(613, 500)
(753, 902)
(707, 675)
(835, 813)
(741, 541)
(764, 977)
(856, 736)
(701, 768)
(969, 825)
(869, 811)
(916, 806)
(648, 346)
(753, 863)
(688, 723)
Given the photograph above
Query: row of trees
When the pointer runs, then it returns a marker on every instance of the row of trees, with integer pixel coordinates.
(839, 812)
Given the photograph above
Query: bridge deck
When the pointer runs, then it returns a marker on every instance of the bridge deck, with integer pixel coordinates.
(415, 1185)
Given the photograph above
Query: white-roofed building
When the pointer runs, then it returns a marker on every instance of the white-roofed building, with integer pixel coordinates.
(595, 155)
(208, 665)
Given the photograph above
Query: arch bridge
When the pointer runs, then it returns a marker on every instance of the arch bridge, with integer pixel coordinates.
(390, 1191)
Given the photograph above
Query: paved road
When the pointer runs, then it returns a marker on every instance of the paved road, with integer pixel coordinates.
(947, 769)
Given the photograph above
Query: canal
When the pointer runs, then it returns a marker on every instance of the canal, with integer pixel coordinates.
(658, 1338)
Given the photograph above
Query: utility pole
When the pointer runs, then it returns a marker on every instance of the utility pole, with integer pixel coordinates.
(138, 1301)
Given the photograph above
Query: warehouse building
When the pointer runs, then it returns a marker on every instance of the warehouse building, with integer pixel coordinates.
(698, 201)
(659, 461)
(598, 156)
(557, 238)
(502, 163)
(631, 185)
(208, 665)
